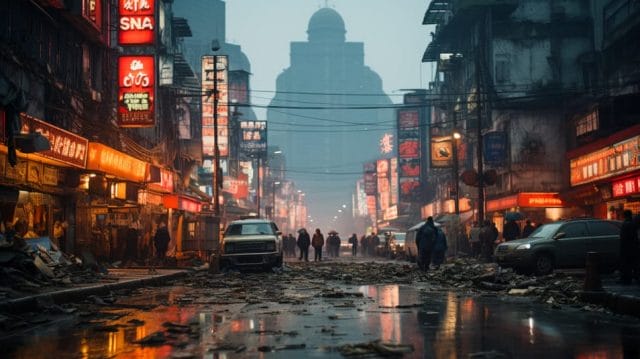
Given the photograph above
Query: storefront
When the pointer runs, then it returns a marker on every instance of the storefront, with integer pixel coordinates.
(605, 175)
(539, 207)
(39, 191)
(190, 226)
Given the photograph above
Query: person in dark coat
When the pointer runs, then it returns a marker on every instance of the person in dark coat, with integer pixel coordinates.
(528, 229)
(439, 247)
(161, 241)
(628, 248)
(510, 231)
(317, 242)
(487, 237)
(304, 241)
(424, 241)
(354, 244)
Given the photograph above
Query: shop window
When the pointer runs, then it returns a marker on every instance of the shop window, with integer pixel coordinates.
(587, 124)
(503, 69)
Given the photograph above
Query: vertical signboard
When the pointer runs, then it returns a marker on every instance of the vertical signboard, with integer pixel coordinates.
(370, 185)
(495, 148)
(253, 137)
(92, 12)
(222, 110)
(408, 154)
(137, 22)
(136, 91)
(441, 152)
(384, 190)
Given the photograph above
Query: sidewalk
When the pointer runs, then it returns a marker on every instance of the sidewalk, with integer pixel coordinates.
(622, 299)
(118, 278)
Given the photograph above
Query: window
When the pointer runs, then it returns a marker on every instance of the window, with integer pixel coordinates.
(503, 69)
(249, 229)
(572, 230)
(587, 124)
(602, 228)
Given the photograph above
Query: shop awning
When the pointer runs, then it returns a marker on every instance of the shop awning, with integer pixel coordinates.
(182, 202)
(526, 200)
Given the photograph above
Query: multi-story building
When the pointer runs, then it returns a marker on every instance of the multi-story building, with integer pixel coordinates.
(507, 70)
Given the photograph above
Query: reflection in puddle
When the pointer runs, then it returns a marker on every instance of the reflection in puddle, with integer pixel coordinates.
(442, 325)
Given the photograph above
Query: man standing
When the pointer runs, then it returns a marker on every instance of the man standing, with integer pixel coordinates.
(354, 244)
(528, 229)
(628, 248)
(510, 231)
(474, 239)
(317, 242)
(303, 243)
(161, 242)
(424, 241)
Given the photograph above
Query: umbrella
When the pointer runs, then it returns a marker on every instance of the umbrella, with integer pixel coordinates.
(513, 216)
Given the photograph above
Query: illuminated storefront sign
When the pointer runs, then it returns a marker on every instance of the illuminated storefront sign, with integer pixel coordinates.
(390, 213)
(393, 170)
(136, 91)
(208, 139)
(626, 187)
(166, 182)
(105, 159)
(526, 200)
(137, 22)
(384, 190)
(182, 203)
(66, 147)
(619, 158)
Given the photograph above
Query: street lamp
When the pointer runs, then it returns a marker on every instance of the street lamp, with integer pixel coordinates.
(456, 182)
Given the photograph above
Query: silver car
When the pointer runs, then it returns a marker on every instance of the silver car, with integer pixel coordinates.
(252, 243)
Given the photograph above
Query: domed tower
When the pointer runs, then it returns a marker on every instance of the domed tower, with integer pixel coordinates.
(326, 25)
(332, 141)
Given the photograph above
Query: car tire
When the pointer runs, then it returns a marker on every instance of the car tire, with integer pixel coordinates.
(543, 264)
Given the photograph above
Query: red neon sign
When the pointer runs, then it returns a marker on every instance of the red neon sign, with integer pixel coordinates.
(136, 94)
(626, 187)
(137, 22)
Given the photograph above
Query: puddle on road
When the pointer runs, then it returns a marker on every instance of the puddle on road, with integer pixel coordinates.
(436, 324)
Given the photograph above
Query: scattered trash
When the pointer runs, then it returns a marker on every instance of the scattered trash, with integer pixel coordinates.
(376, 347)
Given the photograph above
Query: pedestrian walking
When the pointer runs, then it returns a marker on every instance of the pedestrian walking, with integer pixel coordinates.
(628, 248)
(374, 242)
(303, 244)
(527, 229)
(424, 241)
(439, 247)
(354, 244)
(510, 231)
(365, 245)
(317, 242)
(333, 244)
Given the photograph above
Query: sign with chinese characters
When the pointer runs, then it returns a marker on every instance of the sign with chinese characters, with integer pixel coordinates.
(137, 22)
(626, 187)
(409, 154)
(66, 147)
(393, 170)
(136, 94)
(384, 190)
(106, 159)
(619, 158)
(253, 137)
(237, 187)
(219, 72)
(92, 12)
(370, 185)
(386, 143)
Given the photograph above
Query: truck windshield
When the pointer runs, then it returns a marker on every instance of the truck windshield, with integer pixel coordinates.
(248, 229)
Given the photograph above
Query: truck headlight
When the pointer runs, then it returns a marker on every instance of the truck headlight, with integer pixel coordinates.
(271, 246)
(524, 246)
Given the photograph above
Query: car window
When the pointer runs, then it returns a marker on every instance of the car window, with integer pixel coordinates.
(602, 228)
(574, 230)
(274, 227)
(249, 228)
(545, 231)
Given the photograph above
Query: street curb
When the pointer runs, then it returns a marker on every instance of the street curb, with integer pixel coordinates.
(29, 303)
(621, 304)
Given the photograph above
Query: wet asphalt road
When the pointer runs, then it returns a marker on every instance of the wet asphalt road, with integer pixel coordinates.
(299, 313)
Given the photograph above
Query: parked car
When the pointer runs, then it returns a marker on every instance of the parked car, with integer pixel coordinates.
(397, 244)
(562, 244)
(251, 243)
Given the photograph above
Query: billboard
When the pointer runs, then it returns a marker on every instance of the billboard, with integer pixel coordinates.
(253, 137)
(409, 155)
(137, 22)
(441, 151)
(384, 186)
(495, 148)
(136, 91)
(222, 110)
(370, 185)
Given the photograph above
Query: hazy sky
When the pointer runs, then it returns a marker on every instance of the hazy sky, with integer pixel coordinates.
(392, 31)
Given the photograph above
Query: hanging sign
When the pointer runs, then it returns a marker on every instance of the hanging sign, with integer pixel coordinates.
(137, 22)
(136, 94)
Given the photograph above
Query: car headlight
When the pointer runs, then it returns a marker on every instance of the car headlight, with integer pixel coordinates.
(271, 246)
(524, 246)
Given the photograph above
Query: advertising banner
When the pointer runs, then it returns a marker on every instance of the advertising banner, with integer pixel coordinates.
(619, 158)
(441, 152)
(495, 148)
(66, 147)
(92, 12)
(136, 91)
(370, 182)
(253, 137)
(219, 72)
(393, 170)
(137, 22)
(409, 155)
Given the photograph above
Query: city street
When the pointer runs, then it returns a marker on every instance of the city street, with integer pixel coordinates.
(337, 308)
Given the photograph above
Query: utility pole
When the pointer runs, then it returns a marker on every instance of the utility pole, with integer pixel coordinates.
(479, 133)
(216, 150)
